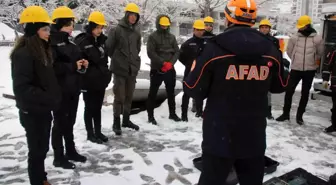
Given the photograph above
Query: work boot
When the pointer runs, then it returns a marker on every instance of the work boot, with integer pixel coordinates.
(270, 116)
(63, 163)
(46, 183)
(199, 114)
(102, 137)
(116, 126)
(299, 119)
(73, 155)
(127, 123)
(330, 129)
(174, 117)
(94, 139)
(283, 117)
(152, 120)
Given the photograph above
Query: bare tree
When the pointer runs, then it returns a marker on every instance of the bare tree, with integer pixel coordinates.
(9, 13)
(208, 6)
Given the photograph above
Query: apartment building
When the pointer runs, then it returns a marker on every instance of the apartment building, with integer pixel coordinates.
(312, 8)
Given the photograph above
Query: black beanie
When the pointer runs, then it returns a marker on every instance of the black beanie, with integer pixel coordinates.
(31, 28)
(88, 28)
(61, 22)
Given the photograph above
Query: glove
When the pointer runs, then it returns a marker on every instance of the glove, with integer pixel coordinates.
(325, 84)
(166, 67)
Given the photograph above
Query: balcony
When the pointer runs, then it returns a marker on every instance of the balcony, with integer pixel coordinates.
(328, 8)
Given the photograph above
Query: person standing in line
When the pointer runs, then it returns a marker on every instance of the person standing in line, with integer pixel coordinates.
(189, 51)
(235, 71)
(97, 76)
(123, 45)
(265, 28)
(197, 106)
(69, 66)
(35, 87)
(305, 48)
(163, 51)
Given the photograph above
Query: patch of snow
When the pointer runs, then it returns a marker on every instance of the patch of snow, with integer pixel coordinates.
(7, 33)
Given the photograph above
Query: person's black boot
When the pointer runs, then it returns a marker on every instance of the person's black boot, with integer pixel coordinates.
(116, 126)
(127, 123)
(299, 119)
(193, 108)
(270, 116)
(330, 129)
(94, 139)
(73, 155)
(152, 120)
(63, 163)
(283, 117)
(174, 117)
(102, 137)
(199, 114)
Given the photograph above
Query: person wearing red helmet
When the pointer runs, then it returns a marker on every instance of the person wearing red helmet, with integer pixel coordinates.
(235, 72)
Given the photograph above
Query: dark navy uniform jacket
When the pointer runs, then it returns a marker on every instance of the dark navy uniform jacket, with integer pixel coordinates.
(235, 72)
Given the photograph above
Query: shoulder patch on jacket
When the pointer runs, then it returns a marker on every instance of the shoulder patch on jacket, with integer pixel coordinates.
(61, 44)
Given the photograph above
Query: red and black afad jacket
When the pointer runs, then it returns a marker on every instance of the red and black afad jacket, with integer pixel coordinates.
(235, 72)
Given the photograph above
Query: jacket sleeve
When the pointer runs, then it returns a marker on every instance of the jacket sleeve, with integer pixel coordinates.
(183, 54)
(23, 81)
(151, 51)
(111, 42)
(197, 84)
(319, 48)
(291, 45)
(328, 65)
(62, 68)
(177, 51)
(280, 73)
(139, 43)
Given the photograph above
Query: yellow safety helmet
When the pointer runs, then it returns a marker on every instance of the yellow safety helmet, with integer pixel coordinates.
(98, 18)
(164, 21)
(265, 22)
(132, 7)
(199, 24)
(62, 12)
(34, 14)
(303, 21)
(209, 19)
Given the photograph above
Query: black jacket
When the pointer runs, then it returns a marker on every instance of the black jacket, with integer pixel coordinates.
(124, 45)
(208, 35)
(66, 54)
(97, 75)
(274, 40)
(189, 50)
(34, 83)
(329, 68)
(162, 47)
(235, 72)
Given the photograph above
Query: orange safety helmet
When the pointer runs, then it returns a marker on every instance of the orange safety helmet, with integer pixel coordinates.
(241, 12)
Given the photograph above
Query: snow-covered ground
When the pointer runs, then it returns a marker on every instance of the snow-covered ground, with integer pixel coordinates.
(159, 154)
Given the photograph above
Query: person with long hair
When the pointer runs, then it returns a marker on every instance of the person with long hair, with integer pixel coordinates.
(69, 66)
(97, 76)
(35, 88)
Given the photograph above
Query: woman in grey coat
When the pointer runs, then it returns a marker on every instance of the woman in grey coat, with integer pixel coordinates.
(305, 48)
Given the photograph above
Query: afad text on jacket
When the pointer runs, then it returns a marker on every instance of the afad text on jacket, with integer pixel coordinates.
(235, 72)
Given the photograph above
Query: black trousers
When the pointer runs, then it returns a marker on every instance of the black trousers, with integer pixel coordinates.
(37, 127)
(185, 104)
(307, 78)
(93, 104)
(64, 121)
(215, 170)
(156, 79)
